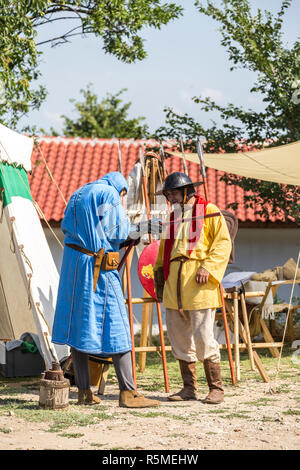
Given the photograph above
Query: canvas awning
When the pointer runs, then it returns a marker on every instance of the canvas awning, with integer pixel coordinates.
(277, 164)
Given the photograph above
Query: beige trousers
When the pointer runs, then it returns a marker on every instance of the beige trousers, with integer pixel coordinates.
(193, 338)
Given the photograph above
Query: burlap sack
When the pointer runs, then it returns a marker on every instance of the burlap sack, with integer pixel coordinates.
(289, 269)
(266, 276)
(279, 273)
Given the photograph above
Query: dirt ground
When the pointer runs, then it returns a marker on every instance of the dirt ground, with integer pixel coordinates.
(250, 418)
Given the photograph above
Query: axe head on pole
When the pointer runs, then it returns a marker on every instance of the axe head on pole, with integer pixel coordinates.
(201, 157)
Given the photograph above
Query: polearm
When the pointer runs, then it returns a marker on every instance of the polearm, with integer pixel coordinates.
(120, 156)
(162, 156)
(202, 166)
(129, 291)
(145, 190)
(183, 156)
(158, 307)
(203, 173)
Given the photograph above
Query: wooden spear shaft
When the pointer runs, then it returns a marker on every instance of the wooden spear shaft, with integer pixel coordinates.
(129, 290)
(158, 307)
(202, 168)
(183, 155)
(162, 155)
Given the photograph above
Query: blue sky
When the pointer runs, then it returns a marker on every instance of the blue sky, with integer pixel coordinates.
(185, 58)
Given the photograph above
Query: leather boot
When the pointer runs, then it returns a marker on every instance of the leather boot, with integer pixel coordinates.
(214, 381)
(133, 399)
(86, 397)
(188, 374)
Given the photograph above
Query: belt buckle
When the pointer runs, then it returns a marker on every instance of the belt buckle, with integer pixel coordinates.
(114, 262)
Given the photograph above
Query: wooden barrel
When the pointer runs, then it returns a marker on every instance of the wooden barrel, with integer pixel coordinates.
(54, 394)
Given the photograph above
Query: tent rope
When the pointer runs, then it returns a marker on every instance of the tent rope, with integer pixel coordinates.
(40, 212)
(12, 242)
(27, 261)
(50, 174)
(28, 291)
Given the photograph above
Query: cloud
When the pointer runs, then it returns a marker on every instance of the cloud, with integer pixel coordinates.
(55, 118)
(186, 96)
(216, 95)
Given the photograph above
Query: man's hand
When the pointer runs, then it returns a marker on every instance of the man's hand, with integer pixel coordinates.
(202, 276)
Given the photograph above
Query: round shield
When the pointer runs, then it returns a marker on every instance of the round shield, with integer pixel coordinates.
(145, 267)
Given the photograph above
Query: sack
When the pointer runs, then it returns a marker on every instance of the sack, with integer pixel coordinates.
(110, 261)
(159, 283)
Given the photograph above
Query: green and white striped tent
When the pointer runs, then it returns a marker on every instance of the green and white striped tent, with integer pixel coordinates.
(28, 275)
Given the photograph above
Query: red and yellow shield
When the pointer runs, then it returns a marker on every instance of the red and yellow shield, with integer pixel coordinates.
(145, 267)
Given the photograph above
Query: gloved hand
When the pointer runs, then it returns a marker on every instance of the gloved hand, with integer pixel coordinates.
(153, 226)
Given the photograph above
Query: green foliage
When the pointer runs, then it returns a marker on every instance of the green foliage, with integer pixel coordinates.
(106, 119)
(254, 42)
(118, 23)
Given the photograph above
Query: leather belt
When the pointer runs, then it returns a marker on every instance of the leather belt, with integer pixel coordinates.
(99, 256)
(181, 259)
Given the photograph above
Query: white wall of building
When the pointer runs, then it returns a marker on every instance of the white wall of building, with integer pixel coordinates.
(256, 249)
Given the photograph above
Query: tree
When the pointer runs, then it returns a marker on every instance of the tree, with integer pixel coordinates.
(253, 42)
(118, 23)
(106, 119)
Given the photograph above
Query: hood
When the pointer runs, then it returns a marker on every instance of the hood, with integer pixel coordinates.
(116, 180)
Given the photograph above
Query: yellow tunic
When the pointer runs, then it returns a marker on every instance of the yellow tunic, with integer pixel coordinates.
(212, 252)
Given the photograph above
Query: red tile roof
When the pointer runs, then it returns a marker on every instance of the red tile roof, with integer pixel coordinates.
(76, 161)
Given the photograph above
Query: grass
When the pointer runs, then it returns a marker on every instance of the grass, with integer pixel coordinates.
(5, 430)
(71, 435)
(261, 402)
(237, 415)
(14, 395)
(291, 412)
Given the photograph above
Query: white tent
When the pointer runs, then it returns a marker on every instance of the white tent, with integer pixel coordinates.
(28, 275)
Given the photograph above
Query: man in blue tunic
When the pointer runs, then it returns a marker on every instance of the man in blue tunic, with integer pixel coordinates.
(90, 313)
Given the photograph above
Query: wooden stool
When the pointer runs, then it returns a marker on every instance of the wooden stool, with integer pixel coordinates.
(99, 367)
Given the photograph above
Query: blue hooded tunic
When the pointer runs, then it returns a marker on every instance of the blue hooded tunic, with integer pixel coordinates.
(93, 322)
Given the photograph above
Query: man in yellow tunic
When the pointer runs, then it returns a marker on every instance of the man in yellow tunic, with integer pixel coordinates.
(192, 259)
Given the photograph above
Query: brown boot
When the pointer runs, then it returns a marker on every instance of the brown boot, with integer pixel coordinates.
(86, 397)
(188, 373)
(214, 380)
(133, 399)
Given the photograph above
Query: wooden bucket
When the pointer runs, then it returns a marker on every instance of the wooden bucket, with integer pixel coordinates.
(54, 394)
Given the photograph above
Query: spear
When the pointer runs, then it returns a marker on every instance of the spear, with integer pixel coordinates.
(120, 156)
(162, 156)
(129, 290)
(203, 173)
(202, 166)
(183, 155)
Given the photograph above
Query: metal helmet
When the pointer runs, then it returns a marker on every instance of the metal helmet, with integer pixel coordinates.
(178, 180)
